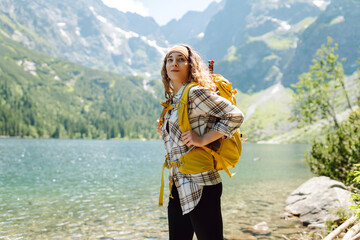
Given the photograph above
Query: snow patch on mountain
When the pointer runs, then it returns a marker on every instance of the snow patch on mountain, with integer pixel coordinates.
(101, 18)
(66, 36)
(77, 31)
(322, 4)
(28, 66)
(200, 35)
(153, 44)
(112, 45)
(109, 27)
(284, 26)
(118, 36)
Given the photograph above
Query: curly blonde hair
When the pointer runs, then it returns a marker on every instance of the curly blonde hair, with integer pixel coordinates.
(198, 72)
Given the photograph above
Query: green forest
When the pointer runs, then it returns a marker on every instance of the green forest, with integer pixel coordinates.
(43, 97)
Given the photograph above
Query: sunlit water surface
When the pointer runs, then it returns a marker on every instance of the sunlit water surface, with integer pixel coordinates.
(82, 189)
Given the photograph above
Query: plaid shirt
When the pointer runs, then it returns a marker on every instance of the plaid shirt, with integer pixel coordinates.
(207, 111)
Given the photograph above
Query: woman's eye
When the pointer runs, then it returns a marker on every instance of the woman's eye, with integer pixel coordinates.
(169, 60)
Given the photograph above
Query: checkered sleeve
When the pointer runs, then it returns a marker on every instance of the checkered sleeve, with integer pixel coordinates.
(229, 117)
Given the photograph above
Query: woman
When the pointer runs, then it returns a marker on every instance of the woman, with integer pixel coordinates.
(194, 204)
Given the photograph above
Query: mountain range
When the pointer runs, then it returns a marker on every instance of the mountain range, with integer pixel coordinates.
(275, 41)
(255, 43)
(85, 32)
(258, 45)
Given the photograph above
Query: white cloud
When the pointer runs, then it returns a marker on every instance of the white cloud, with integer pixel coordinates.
(134, 6)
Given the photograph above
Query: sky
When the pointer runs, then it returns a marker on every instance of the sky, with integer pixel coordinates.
(161, 10)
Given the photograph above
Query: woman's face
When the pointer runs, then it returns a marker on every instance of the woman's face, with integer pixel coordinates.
(177, 67)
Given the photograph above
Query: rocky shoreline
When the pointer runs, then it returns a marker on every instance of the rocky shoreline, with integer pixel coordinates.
(318, 200)
(311, 205)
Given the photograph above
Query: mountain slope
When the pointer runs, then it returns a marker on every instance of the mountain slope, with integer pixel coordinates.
(223, 28)
(191, 27)
(85, 32)
(252, 41)
(49, 97)
(267, 114)
(270, 42)
(340, 21)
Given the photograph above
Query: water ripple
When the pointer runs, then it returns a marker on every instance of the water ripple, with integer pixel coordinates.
(76, 189)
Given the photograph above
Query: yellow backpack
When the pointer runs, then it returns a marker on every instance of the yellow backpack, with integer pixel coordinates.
(203, 159)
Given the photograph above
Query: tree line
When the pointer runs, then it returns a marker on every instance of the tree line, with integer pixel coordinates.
(20, 117)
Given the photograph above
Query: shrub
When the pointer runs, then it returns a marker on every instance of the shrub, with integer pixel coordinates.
(337, 156)
(356, 194)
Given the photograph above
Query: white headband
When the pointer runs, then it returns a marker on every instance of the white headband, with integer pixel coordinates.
(181, 49)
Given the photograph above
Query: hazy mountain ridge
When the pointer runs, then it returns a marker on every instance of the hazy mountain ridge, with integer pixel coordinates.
(238, 21)
(259, 41)
(271, 42)
(190, 28)
(85, 32)
(341, 22)
(255, 44)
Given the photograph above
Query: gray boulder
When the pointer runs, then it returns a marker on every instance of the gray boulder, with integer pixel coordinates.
(317, 200)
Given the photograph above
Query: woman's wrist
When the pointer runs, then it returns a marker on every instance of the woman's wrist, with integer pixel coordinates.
(210, 137)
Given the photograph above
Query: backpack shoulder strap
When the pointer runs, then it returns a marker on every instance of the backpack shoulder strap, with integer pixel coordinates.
(183, 109)
(167, 107)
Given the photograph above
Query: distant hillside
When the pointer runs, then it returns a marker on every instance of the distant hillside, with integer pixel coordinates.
(190, 28)
(340, 21)
(252, 41)
(85, 32)
(267, 114)
(49, 97)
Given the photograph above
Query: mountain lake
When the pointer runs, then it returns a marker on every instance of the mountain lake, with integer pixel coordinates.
(101, 189)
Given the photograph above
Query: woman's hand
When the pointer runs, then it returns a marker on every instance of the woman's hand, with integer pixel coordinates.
(191, 138)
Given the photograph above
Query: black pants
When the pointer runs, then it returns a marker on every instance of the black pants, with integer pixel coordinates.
(205, 220)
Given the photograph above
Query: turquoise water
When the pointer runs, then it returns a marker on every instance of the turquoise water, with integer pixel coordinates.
(93, 189)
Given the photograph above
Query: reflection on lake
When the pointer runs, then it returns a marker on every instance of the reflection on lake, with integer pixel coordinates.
(82, 189)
